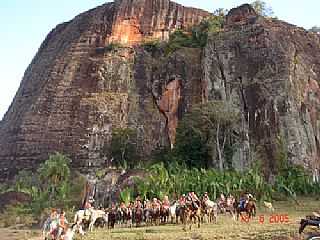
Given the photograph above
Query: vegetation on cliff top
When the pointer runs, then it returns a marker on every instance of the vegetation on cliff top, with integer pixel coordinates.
(196, 37)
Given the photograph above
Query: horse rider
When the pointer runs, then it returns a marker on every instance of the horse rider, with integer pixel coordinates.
(243, 201)
(222, 197)
(122, 206)
(205, 197)
(50, 225)
(155, 204)
(193, 199)
(138, 198)
(222, 200)
(87, 209)
(123, 209)
(230, 200)
(166, 202)
(138, 202)
(182, 200)
(62, 225)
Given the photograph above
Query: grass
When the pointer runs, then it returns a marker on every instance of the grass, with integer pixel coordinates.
(226, 228)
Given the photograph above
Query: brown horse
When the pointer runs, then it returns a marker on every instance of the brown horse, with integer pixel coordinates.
(138, 216)
(164, 214)
(250, 208)
(155, 215)
(190, 214)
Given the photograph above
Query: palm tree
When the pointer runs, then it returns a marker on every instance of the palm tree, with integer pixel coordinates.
(54, 172)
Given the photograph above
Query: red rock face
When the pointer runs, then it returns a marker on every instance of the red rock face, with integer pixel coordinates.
(241, 15)
(76, 91)
(169, 104)
(151, 19)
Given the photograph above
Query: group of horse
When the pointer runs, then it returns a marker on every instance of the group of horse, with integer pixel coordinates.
(147, 214)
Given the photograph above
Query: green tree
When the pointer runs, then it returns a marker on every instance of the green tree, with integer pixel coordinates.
(208, 26)
(262, 8)
(124, 147)
(190, 147)
(210, 126)
(54, 175)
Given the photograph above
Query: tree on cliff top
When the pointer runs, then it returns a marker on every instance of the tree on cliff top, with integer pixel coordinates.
(198, 35)
(262, 8)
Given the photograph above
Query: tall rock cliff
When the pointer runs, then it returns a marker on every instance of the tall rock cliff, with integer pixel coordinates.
(270, 70)
(79, 87)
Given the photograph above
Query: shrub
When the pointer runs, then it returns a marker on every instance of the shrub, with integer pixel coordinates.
(151, 46)
(110, 47)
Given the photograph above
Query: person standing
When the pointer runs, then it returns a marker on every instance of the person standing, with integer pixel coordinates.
(62, 225)
(50, 226)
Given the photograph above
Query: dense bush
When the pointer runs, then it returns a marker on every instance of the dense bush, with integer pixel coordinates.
(197, 37)
(151, 46)
(176, 180)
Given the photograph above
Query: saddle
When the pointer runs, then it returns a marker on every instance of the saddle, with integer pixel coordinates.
(87, 214)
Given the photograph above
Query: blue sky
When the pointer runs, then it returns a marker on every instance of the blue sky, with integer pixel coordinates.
(25, 23)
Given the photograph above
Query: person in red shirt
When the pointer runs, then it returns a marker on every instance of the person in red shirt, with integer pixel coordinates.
(166, 202)
(87, 210)
(155, 204)
(182, 200)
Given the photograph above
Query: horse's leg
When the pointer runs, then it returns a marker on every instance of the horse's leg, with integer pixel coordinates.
(198, 217)
(184, 221)
(90, 226)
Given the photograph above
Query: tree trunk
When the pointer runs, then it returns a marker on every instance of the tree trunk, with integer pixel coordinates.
(219, 150)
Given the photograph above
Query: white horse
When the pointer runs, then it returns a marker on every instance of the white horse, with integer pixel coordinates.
(172, 211)
(212, 210)
(91, 217)
(52, 231)
(71, 232)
